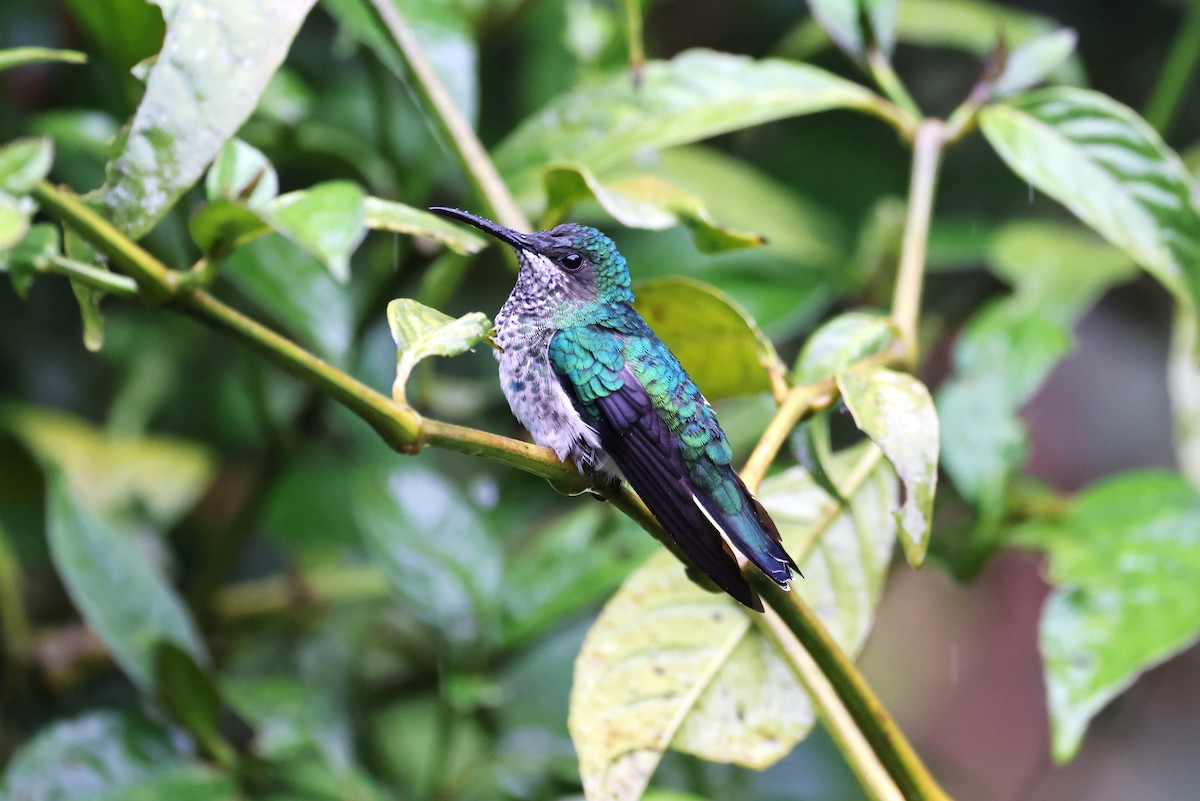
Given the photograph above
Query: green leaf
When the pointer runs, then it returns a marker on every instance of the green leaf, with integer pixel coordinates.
(420, 332)
(186, 783)
(189, 697)
(1125, 562)
(1006, 351)
(669, 665)
(443, 32)
(296, 289)
(896, 412)
(326, 220)
(20, 56)
(643, 202)
(23, 163)
(842, 341)
(549, 580)
(125, 31)
(433, 545)
(971, 25)
(696, 95)
(97, 753)
(215, 62)
(1112, 170)
(86, 296)
(844, 21)
(14, 220)
(1183, 384)
(124, 600)
(388, 215)
(30, 255)
(716, 341)
(1033, 61)
(795, 229)
(242, 173)
(222, 226)
(113, 474)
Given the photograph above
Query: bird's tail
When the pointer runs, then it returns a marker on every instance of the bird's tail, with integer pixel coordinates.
(752, 532)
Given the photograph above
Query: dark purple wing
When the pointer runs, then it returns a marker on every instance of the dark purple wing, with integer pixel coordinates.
(638, 440)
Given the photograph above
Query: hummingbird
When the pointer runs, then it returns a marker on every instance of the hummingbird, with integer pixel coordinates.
(585, 375)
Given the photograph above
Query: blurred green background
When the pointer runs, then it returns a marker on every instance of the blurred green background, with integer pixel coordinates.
(459, 689)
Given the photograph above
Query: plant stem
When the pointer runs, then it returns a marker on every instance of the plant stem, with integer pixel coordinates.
(910, 275)
(156, 282)
(797, 402)
(870, 717)
(890, 83)
(110, 282)
(1176, 73)
(458, 133)
(633, 37)
(871, 773)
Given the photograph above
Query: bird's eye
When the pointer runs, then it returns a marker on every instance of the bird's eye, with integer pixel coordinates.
(571, 261)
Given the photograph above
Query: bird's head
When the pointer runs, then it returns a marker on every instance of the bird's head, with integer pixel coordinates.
(576, 260)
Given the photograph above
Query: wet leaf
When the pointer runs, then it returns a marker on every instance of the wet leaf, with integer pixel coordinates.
(326, 220)
(841, 342)
(442, 30)
(1112, 170)
(1007, 350)
(577, 560)
(14, 220)
(1033, 61)
(896, 412)
(694, 96)
(1125, 561)
(420, 332)
(297, 290)
(87, 757)
(242, 173)
(643, 202)
(714, 338)
(215, 62)
(30, 255)
(434, 546)
(23, 163)
(795, 228)
(1183, 384)
(187, 694)
(669, 665)
(388, 215)
(86, 296)
(115, 473)
(124, 600)
(856, 25)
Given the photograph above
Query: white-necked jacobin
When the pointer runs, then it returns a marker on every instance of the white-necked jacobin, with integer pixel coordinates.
(587, 377)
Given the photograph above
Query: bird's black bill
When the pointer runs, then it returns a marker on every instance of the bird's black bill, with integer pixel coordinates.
(506, 235)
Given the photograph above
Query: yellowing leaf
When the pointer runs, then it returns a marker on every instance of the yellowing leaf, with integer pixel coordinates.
(106, 471)
(895, 410)
(717, 342)
(669, 665)
(643, 201)
(420, 332)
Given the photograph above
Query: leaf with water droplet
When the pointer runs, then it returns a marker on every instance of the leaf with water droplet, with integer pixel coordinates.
(400, 218)
(668, 664)
(896, 412)
(420, 332)
(1124, 560)
(215, 62)
(642, 201)
(1112, 170)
